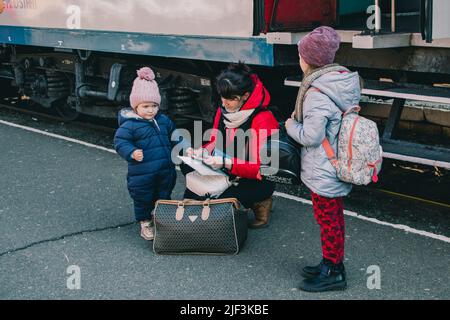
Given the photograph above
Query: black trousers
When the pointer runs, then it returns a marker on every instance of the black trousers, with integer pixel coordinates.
(248, 191)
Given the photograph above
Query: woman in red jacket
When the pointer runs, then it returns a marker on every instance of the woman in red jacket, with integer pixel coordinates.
(244, 106)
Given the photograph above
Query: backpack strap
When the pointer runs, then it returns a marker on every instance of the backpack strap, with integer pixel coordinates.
(350, 143)
(375, 171)
(330, 152)
(355, 109)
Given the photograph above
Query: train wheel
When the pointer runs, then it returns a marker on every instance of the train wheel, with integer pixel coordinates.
(66, 111)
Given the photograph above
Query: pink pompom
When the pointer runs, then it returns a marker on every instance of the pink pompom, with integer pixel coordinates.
(146, 73)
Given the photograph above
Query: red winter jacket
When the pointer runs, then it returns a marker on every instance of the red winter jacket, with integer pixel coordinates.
(264, 124)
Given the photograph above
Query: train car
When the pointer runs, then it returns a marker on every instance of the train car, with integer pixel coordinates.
(80, 56)
(70, 55)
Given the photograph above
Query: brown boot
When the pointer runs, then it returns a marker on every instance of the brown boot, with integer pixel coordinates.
(262, 213)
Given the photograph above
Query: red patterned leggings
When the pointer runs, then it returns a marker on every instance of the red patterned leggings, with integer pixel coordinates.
(329, 214)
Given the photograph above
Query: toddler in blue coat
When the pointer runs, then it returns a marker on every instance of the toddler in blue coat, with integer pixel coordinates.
(144, 141)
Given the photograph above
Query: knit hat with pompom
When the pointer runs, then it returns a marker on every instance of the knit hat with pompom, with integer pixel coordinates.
(145, 88)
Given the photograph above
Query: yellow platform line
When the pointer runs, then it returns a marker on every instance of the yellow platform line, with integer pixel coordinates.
(415, 198)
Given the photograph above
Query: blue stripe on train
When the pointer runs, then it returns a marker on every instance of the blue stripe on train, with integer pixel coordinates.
(251, 50)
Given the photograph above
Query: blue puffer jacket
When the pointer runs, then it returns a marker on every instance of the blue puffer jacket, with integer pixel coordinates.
(157, 170)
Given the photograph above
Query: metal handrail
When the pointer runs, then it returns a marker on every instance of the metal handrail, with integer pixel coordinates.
(378, 16)
(393, 16)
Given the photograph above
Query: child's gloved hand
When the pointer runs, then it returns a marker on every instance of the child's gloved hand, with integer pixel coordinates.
(291, 121)
(138, 155)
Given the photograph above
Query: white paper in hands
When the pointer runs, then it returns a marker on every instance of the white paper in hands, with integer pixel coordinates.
(200, 167)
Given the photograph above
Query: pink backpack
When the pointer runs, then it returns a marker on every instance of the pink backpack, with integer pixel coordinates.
(359, 155)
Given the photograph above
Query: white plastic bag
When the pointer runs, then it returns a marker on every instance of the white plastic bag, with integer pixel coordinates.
(202, 185)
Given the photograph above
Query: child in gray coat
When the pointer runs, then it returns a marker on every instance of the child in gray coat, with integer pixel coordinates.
(328, 90)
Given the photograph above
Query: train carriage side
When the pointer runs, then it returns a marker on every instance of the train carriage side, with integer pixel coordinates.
(80, 56)
(67, 55)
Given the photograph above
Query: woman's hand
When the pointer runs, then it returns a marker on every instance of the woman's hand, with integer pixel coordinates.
(190, 152)
(138, 155)
(197, 153)
(217, 162)
(214, 162)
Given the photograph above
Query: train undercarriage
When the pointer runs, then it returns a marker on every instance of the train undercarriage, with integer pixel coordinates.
(82, 82)
(75, 81)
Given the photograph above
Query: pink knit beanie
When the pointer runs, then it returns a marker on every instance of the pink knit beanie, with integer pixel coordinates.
(145, 88)
(319, 47)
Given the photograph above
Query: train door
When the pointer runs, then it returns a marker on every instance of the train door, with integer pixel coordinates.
(293, 15)
(435, 23)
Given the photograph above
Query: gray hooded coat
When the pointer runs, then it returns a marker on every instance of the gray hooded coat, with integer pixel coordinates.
(322, 115)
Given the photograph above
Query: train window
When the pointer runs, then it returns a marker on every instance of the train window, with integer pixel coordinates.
(292, 15)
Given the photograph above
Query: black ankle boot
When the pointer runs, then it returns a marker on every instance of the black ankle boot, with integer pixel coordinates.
(331, 277)
(311, 271)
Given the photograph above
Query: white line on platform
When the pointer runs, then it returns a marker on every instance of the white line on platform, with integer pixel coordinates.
(277, 194)
(373, 220)
(45, 133)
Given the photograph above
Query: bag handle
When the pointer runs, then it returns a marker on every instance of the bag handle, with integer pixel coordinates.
(206, 210)
(180, 211)
(205, 204)
(191, 202)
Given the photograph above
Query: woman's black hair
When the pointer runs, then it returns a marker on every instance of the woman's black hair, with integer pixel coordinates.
(235, 81)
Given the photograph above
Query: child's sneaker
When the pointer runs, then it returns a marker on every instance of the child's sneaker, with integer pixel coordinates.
(147, 230)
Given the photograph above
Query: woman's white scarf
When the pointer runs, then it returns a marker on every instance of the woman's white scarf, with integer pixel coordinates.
(236, 119)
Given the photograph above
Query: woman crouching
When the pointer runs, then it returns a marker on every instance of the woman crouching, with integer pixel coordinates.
(244, 107)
